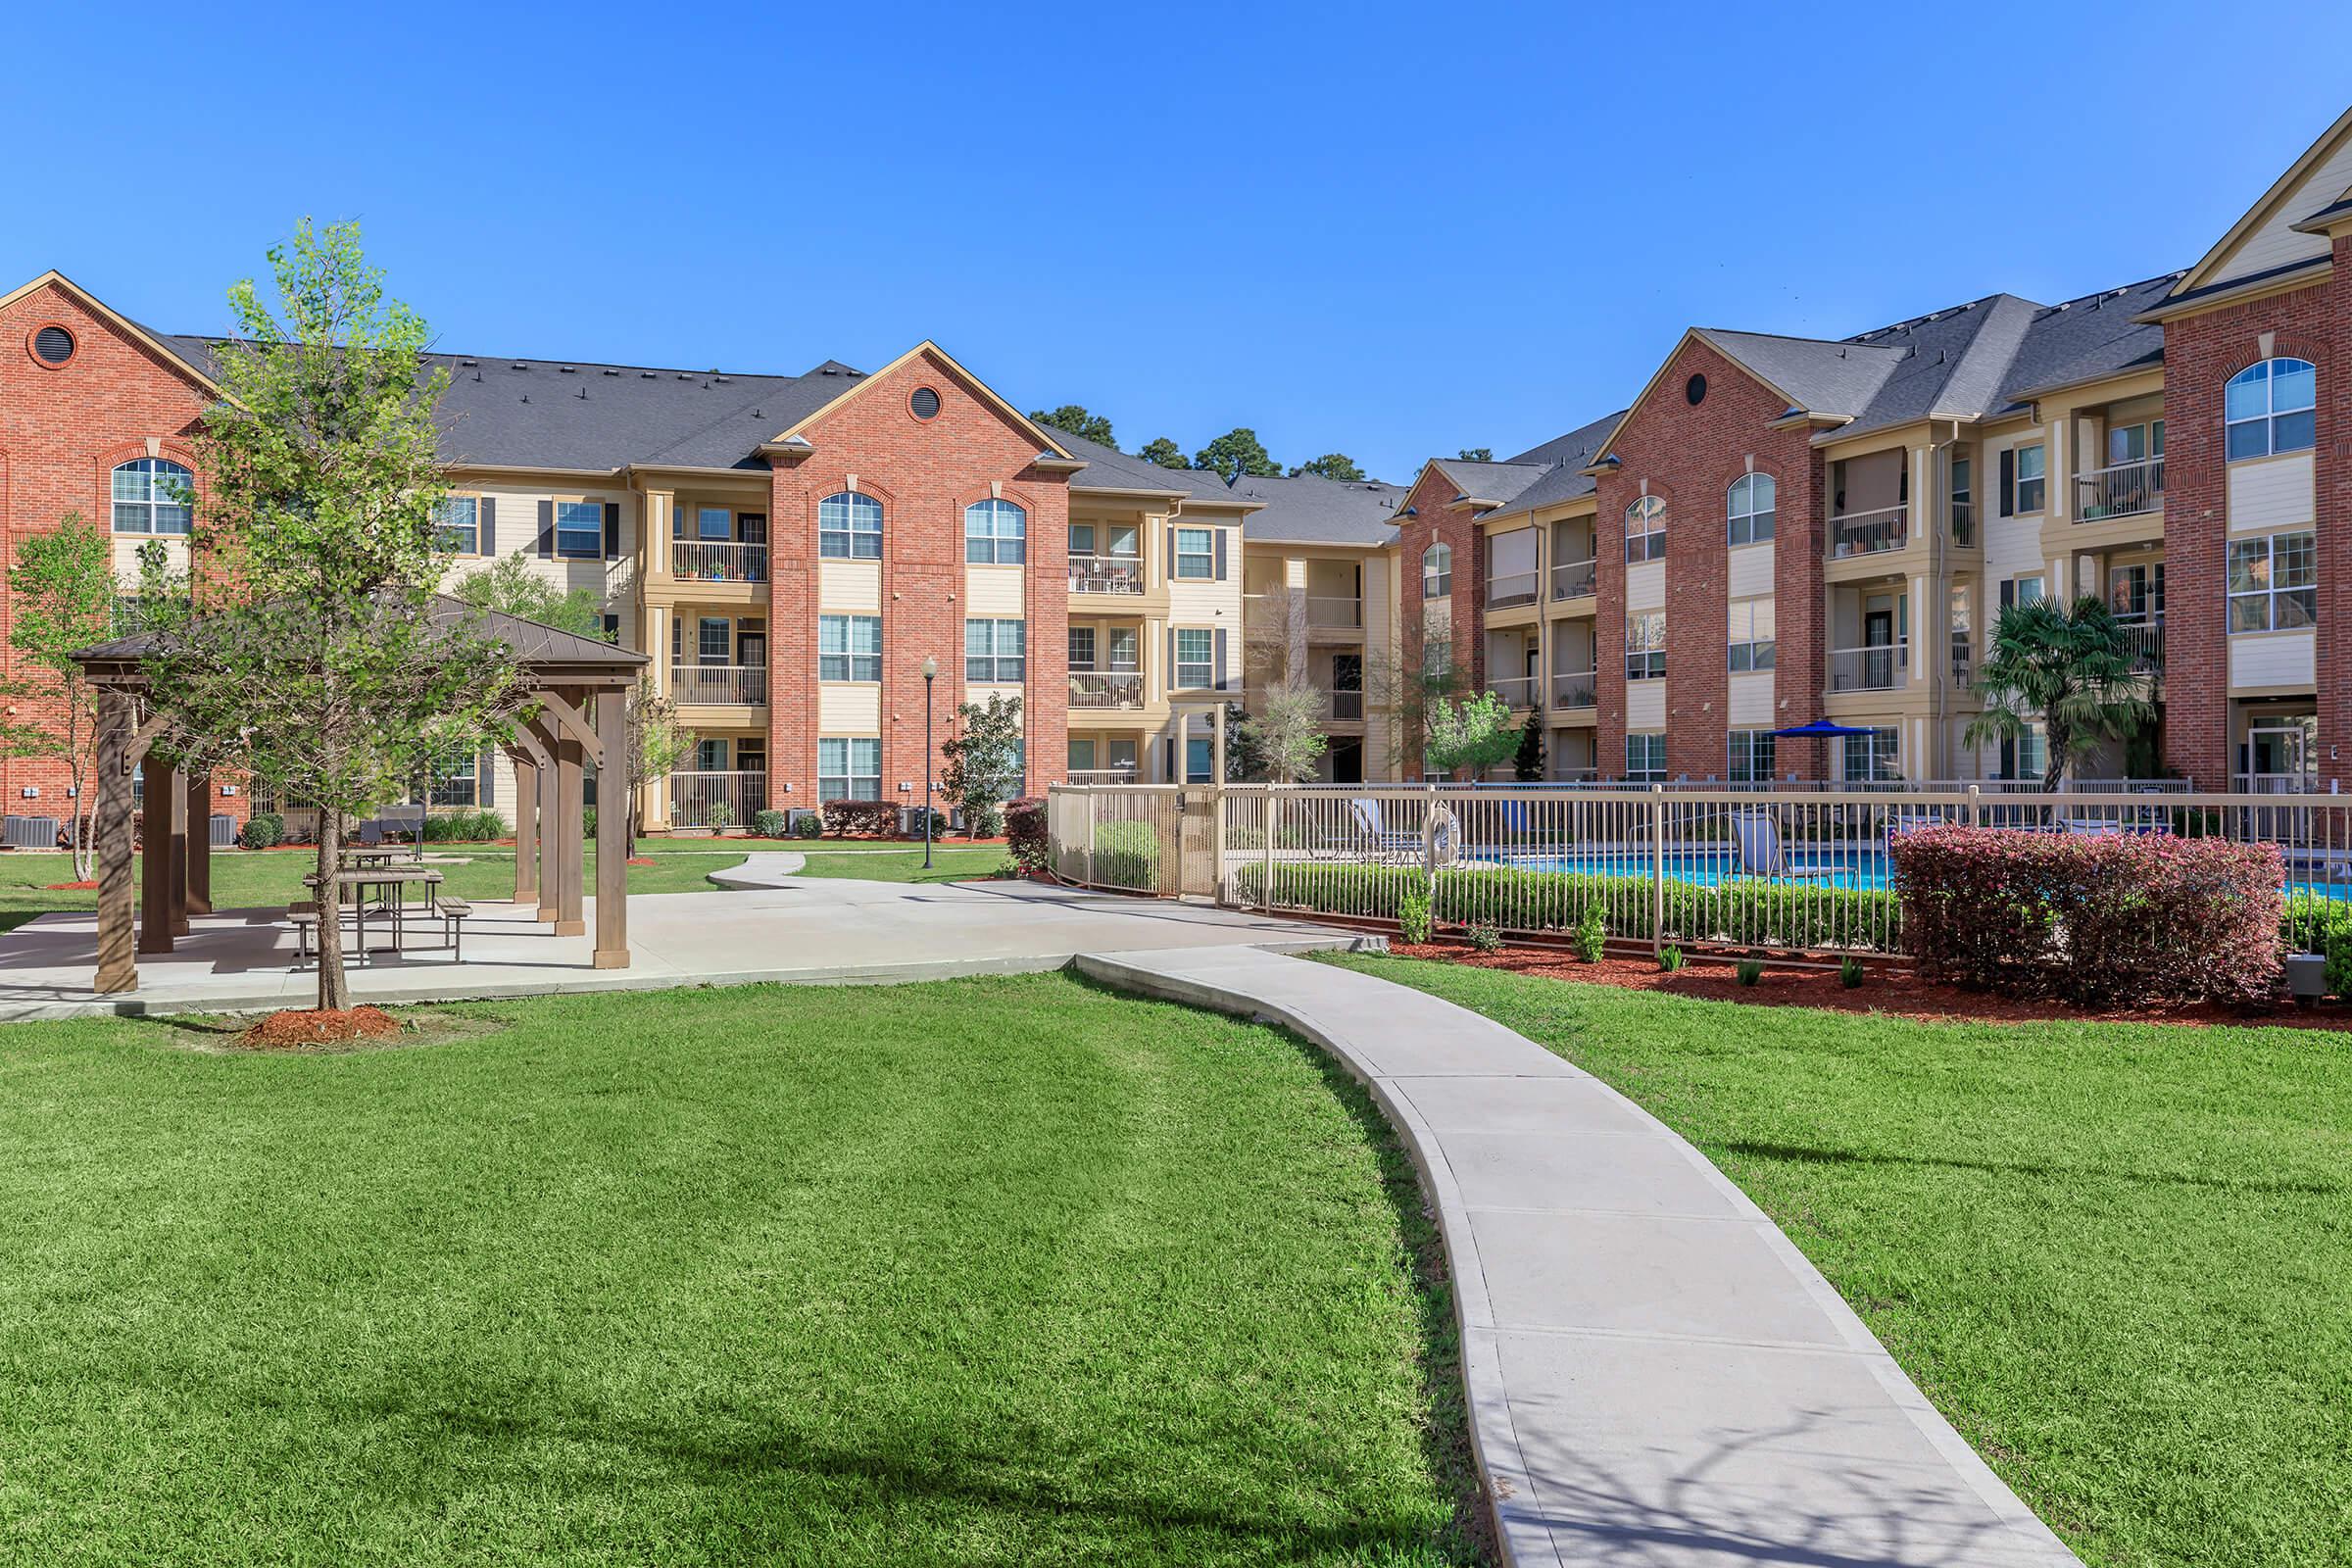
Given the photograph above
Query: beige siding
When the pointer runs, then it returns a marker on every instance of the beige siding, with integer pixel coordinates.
(981, 693)
(854, 587)
(2274, 242)
(1644, 705)
(2271, 493)
(1750, 705)
(1646, 586)
(1749, 573)
(848, 708)
(2273, 659)
(127, 555)
(998, 592)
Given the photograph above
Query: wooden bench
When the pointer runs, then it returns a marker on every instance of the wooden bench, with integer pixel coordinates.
(453, 911)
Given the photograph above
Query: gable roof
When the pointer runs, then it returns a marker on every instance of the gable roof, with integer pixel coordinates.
(1109, 471)
(1047, 440)
(1564, 459)
(1486, 484)
(1307, 508)
(165, 348)
(2268, 237)
(2086, 339)
(1832, 380)
(541, 648)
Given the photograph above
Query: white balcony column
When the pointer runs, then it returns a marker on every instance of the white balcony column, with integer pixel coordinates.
(661, 507)
(656, 632)
(2065, 431)
(1917, 632)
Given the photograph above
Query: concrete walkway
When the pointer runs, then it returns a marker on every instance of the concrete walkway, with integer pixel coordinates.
(775, 928)
(1657, 1375)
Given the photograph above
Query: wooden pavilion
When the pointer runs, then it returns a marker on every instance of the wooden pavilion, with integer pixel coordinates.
(580, 686)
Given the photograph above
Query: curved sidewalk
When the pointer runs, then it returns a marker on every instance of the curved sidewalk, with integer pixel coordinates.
(1655, 1374)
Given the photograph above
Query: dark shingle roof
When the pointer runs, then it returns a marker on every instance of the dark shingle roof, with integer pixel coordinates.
(1110, 469)
(1833, 378)
(1493, 482)
(1307, 509)
(1564, 459)
(2084, 339)
(533, 642)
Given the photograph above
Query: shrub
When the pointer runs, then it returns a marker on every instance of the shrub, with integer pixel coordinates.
(482, 827)
(1025, 834)
(723, 816)
(1591, 938)
(1750, 972)
(861, 820)
(1849, 972)
(1483, 936)
(1670, 957)
(1413, 918)
(809, 826)
(983, 823)
(264, 830)
(588, 822)
(2313, 922)
(939, 822)
(769, 823)
(2096, 921)
(1127, 856)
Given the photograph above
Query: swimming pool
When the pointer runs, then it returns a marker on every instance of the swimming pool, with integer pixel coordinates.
(1860, 867)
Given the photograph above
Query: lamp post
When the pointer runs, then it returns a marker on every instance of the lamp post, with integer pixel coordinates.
(930, 672)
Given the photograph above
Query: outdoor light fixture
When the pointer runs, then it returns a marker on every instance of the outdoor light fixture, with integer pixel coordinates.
(930, 671)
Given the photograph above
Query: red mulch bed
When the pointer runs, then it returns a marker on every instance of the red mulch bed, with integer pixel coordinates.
(69, 887)
(311, 1026)
(641, 859)
(1888, 989)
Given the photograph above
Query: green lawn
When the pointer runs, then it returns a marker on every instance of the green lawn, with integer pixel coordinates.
(989, 1271)
(2118, 1257)
(907, 865)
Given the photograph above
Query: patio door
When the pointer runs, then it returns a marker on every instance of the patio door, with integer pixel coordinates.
(2280, 758)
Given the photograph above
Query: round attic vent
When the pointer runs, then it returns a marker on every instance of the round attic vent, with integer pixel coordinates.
(53, 345)
(924, 402)
(1695, 389)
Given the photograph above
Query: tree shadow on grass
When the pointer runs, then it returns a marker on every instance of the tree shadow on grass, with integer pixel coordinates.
(1798, 1153)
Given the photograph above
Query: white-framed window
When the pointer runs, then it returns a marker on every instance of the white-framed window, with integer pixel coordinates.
(580, 529)
(996, 532)
(2274, 582)
(2024, 755)
(1752, 641)
(2028, 473)
(714, 524)
(460, 781)
(1197, 554)
(1750, 756)
(2269, 407)
(457, 526)
(1751, 508)
(153, 495)
(1437, 571)
(1082, 648)
(1871, 757)
(1645, 646)
(995, 652)
(1645, 756)
(848, 527)
(1126, 648)
(849, 648)
(1196, 658)
(1645, 529)
(713, 640)
(849, 768)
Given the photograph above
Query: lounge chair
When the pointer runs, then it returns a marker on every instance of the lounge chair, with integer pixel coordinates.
(1364, 811)
(1756, 835)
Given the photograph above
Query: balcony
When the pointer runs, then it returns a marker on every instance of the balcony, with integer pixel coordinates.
(1092, 688)
(1575, 688)
(1512, 588)
(1867, 534)
(716, 800)
(1101, 775)
(1520, 691)
(1335, 612)
(2145, 640)
(2122, 490)
(1964, 523)
(1574, 579)
(717, 561)
(1347, 708)
(1107, 575)
(1868, 670)
(1964, 665)
(718, 685)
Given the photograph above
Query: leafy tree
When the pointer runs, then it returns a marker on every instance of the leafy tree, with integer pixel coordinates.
(1476, 455)
(1287, 732)
(1165, 452)
(306, 650)
(1244, 757)
(1469, 736)
(1330, 466)
(983, 766)
(1237, 452)
(64, 587)
(510, 586)
(657, 744)
(1527, 764)
(1078, 421)
(2071, 669)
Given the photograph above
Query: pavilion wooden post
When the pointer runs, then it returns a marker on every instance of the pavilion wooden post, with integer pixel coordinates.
(526, 830)
(569, 857)
(612, 844)
(118, 957)
(550, 826)
(200, 842)
(178, 889)
(161, 789)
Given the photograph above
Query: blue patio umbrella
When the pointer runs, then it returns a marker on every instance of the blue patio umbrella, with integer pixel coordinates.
(1821, 729)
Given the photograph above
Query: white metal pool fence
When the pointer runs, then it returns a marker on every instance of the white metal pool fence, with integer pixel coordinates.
(1764, 869)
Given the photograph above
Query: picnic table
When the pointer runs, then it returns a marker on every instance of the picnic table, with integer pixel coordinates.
(391, 883)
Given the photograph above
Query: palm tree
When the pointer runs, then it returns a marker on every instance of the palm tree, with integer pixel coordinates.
(2073, 670)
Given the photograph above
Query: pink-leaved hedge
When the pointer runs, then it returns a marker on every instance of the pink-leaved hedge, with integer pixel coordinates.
(2108, 920)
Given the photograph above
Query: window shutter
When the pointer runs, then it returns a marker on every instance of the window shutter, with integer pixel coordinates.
(612, 529)
(2009, 482)
(547, 530)
(1171, 566)
(2008, 593)
(1220, 560)
(1172, 678)
(485, 782)
(485, 518)
(2008, 759)
(1221, 654)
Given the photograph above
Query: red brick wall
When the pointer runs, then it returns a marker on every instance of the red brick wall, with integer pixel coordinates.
(1436, 518)
(924, 473)
(62, 431)
(1690, 456)
(2200, 354)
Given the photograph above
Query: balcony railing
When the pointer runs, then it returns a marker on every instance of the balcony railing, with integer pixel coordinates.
(1964, 665)
(1335, 611)
(1520, 691)
(1347, 708)
(2122, 490)
(1964, 523)
(1512, 588)
(717, 561)
(719, 685)
(1091, 688)
(1101, 775)
(1868, 670)
(715, 800)
(1865, 533)
(1575, 689)
(2145, 640)
(1107, 575)
(1573, 579)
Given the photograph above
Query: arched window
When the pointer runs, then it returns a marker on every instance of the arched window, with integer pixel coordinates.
(848, 527)
(1645, 529)
(2269, 409)
(1749, 506)
(151, 496)
(995, 533)
(1437, 571)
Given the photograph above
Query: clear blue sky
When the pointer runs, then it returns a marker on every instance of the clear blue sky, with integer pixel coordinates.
(1390, 230)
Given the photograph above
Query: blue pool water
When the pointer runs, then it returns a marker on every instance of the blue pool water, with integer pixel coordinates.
(1849, 866)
